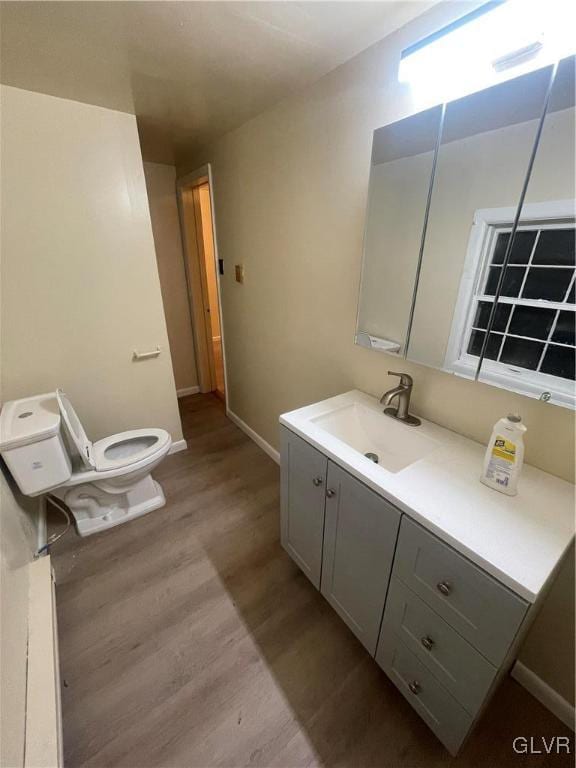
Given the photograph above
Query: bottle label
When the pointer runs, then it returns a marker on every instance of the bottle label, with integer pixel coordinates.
(502, 460)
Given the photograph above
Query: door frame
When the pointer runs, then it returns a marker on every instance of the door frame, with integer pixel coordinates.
(194, 267)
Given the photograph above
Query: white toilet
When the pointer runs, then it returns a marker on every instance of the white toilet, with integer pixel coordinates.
(104, 483)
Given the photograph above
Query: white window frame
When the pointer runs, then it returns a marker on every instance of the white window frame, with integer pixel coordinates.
(488, 223)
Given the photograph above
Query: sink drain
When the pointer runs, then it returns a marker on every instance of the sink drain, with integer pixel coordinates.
(372, 456)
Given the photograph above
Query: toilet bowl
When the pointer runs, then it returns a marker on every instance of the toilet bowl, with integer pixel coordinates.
(104, 483)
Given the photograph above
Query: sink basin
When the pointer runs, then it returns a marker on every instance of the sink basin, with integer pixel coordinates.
(367, 430)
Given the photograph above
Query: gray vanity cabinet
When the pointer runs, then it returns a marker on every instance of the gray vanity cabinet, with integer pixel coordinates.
(360, 532)
(442, 629)
(303, 476)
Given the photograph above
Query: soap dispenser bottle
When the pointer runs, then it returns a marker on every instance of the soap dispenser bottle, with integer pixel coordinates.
(505, 455)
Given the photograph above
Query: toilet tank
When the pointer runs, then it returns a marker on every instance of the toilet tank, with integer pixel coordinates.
(32, 445)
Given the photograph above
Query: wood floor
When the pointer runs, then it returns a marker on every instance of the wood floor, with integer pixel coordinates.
(188, 638)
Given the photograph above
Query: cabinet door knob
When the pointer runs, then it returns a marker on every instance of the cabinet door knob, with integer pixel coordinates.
(330, 493)
(427, 642)
(415, 687)
(318, 481)
(444, 587)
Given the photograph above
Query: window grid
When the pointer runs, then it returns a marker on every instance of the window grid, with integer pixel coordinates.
(520, 301)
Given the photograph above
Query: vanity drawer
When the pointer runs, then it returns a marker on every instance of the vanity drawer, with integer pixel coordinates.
(461, 669)
(439, 710)
(481, 609)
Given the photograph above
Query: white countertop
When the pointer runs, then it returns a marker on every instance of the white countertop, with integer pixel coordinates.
(520, 540)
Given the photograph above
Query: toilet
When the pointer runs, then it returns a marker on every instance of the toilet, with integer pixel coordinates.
(104, 483)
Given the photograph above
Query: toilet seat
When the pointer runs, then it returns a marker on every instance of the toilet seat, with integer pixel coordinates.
(127, 448)
(111, 456)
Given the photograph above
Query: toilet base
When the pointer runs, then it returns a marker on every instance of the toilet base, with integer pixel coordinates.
(95, 509)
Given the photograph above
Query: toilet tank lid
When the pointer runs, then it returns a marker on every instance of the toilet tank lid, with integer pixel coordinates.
(26, 421)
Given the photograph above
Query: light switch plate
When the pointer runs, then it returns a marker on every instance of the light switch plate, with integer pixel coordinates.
(239, 271)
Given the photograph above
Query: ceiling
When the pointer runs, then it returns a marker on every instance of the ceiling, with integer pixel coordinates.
(189, 71)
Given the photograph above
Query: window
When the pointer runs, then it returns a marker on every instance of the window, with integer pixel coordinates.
(531, 346)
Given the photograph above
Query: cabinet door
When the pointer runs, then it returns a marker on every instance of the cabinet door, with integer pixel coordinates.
(303, 475)
(360, 533)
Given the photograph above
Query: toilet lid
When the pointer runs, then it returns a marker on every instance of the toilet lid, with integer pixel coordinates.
(75, 430)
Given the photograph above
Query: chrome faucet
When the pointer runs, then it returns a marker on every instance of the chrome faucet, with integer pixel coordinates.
(402, 392)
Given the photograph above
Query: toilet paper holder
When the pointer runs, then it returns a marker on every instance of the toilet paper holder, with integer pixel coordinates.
(145, 355)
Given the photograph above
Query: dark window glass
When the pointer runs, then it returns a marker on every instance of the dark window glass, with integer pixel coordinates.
(533, 322)
(492, 349)
(564, 331)
(549, 284)
(512, 281)
(483, 315)
(559, 361)
(521, 352)
(556, 246)
(475, 343)
(521, 250)
(500, 248)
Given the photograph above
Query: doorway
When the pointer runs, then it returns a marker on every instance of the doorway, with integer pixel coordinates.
(195, 204)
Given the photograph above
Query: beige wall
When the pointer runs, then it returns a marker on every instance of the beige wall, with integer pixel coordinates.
(161, 186)
(290, 196)
(80, 288)
(17, 546)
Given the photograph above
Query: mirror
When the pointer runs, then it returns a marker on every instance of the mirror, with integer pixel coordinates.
(531, 348)
(400, 175)
(437, 274)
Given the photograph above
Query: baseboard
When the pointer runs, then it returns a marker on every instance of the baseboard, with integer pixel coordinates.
(187, 391)
(177, 446)
(260, 442)
(546, 695)
(43, 738)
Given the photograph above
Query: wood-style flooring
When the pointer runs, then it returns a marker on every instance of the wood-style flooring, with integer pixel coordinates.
(188, 638)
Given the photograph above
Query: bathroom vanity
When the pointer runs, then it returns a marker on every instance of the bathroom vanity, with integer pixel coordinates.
(437, 575)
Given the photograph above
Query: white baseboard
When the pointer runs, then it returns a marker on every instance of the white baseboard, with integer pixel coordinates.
(260, 442)
(187, 391)
(177, 446)
(546, 695)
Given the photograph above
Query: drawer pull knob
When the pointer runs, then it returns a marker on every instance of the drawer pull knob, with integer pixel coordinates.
(330, 493)
(318, 481)
(415, 687)
(427, 642)
(444, 587)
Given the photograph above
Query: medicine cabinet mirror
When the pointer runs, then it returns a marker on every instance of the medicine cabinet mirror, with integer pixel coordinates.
(469, 253)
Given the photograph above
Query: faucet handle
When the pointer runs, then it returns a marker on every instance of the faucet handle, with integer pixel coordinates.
(405, 379)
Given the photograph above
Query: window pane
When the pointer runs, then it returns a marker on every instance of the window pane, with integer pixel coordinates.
(476, 341)
(564, 331)
(520, 352)
(483, 315)
(559, 361)
(521, 250)
(556, 246)
(550, 284)
(512, 281)
(533, 322)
